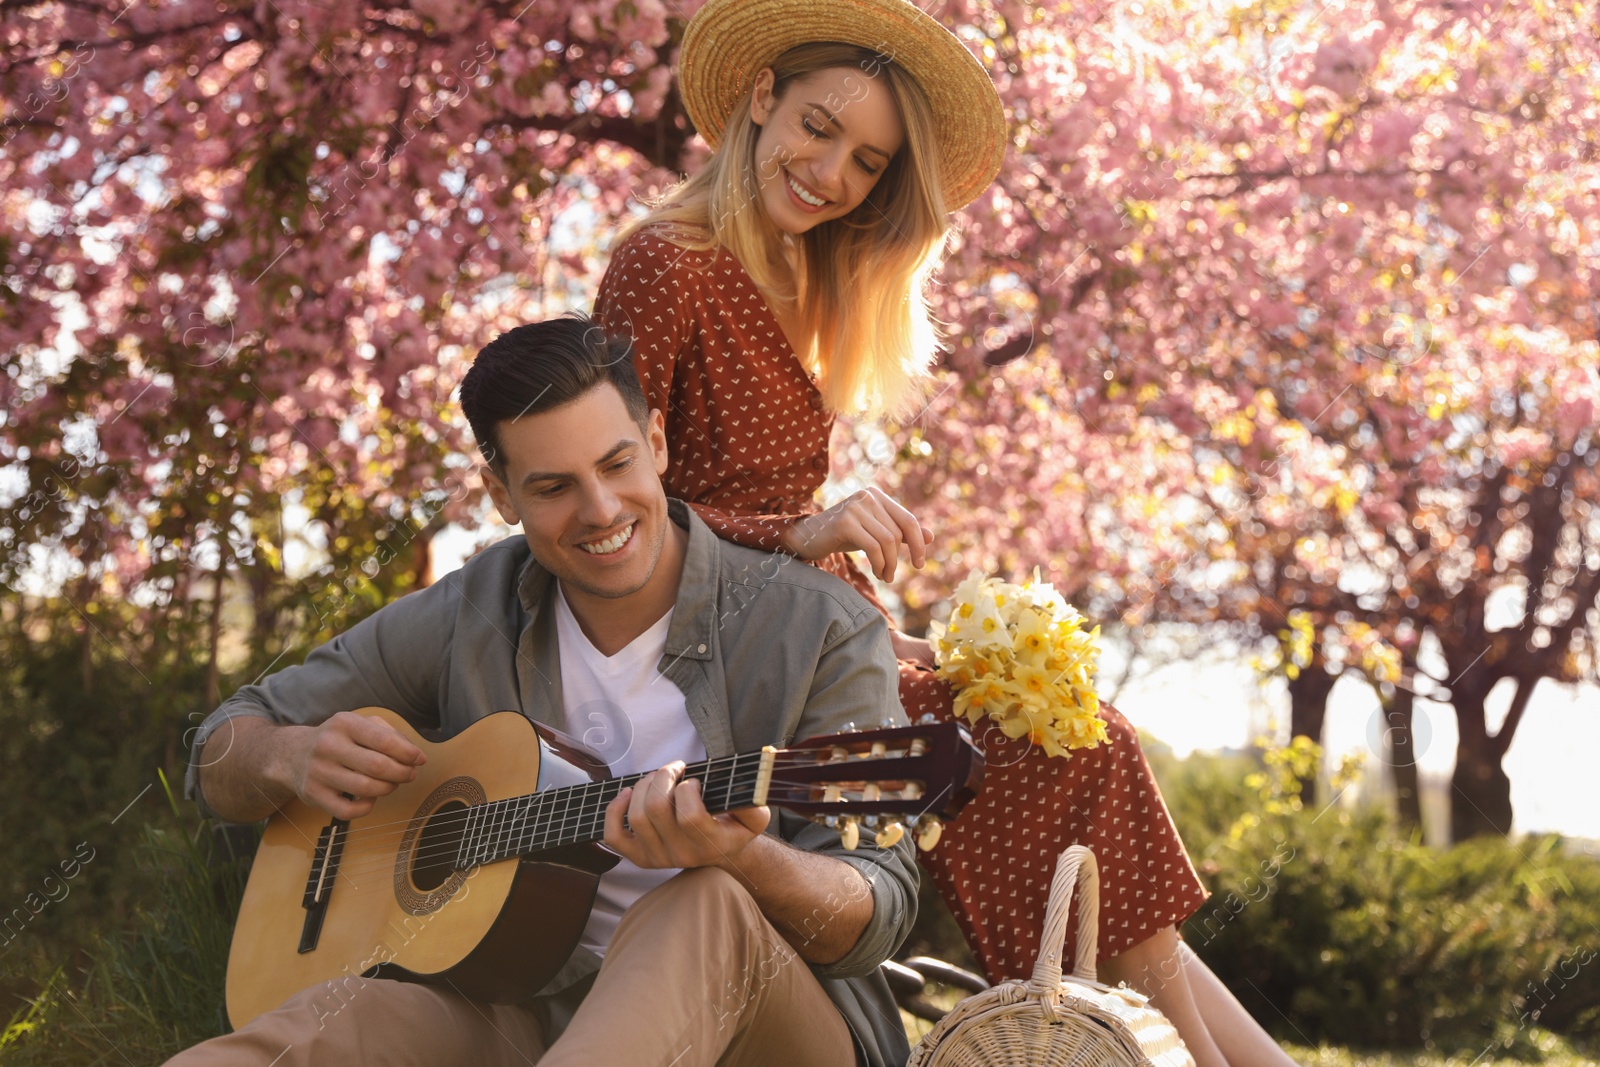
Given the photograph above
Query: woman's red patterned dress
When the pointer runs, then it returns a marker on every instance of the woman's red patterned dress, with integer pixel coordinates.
(749, 437)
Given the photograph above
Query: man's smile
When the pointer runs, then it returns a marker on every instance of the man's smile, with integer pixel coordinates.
(612, 544)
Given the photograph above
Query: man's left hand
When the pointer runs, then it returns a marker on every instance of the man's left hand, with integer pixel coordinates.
(668, 824)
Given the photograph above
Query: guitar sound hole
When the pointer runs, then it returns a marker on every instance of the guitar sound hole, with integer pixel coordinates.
(433, 861)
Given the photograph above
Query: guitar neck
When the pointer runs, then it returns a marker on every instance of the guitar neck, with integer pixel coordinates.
(575, 815)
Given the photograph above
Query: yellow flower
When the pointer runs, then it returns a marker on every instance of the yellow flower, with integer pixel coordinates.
(1033, 637)
(1087, 731)
(965, 703)
(1019, 655)
(1033, 680)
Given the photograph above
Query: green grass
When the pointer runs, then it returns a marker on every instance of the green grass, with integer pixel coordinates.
(154, 989)
(1534, 1047)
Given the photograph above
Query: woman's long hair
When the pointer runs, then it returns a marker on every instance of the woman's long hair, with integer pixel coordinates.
(858, 287)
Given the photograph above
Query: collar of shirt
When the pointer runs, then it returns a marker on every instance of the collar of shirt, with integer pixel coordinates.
(694, 619)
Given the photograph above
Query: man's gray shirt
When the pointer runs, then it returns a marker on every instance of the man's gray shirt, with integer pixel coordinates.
(765, 648)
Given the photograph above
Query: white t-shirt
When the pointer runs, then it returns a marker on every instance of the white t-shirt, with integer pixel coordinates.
(630, 715)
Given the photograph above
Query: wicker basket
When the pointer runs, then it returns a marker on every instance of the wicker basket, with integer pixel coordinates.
(1051, 1022)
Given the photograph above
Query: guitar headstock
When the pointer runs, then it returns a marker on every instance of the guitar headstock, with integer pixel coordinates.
(918, 774)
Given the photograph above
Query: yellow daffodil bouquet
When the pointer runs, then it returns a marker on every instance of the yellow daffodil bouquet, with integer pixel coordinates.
(1020, 655)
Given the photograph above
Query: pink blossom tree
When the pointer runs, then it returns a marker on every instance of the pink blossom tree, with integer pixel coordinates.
(1317, 289)
(243, 248)
(1271, 309)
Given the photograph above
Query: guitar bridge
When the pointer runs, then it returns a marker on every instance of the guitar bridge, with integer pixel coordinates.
(319, 883)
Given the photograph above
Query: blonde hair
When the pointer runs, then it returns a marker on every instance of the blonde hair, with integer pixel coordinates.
(858, 286)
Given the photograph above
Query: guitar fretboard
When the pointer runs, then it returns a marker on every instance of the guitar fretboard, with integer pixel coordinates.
(552, 818)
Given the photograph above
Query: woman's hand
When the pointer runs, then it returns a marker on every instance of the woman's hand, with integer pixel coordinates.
(869, 521)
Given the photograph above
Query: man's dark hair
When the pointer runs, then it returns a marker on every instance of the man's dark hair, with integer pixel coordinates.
(540, 367)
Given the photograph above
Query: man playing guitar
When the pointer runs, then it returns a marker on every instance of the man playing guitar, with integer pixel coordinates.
(718, 938)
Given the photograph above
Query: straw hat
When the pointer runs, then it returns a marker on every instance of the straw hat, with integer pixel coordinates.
(729, 41)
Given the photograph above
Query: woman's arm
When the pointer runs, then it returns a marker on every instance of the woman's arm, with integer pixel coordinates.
(766, 532)
(869, 521)
(648, 293)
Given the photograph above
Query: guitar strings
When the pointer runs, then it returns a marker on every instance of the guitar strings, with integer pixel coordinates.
(571, 815)
(581, 793)
(355, 877)
(517, 829)
(367, 859)
(706, 767)
(583, 807)
(399, 827)
(523, 825)
(388, 861)
(345, 880)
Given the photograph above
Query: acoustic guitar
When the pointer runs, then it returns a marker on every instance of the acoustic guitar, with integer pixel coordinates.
(481, 873)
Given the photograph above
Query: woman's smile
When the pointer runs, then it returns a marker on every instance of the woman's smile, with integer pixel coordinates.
(808, 199)
(826, 138)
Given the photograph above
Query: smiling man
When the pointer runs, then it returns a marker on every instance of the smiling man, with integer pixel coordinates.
(717, 939)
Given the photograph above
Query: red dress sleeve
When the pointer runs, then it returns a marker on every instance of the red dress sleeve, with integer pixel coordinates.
(754, 531)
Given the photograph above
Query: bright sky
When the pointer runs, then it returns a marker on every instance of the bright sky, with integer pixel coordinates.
(1217, 704)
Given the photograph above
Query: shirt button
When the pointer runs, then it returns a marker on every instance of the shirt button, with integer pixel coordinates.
(820, 463)
(702, 649)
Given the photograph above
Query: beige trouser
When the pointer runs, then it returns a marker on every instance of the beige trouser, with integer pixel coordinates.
(694, 975)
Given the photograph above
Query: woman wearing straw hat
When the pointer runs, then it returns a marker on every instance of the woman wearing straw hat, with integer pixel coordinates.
(784, 283)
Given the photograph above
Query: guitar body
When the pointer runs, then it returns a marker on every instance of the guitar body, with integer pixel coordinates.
(481, 874)
(393, 906)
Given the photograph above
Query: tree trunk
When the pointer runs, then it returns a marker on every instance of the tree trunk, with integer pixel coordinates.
(1308, 711)
(214, 638)
(422, 559)
(86, 655)
(1480, 792)
(1400, 753)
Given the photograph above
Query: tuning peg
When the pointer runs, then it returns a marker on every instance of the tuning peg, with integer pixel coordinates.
(890, 835)
(849, 832)
(927, 719)
(929, 829)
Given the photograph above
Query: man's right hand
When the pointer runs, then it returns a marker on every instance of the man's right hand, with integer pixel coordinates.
(345, 764)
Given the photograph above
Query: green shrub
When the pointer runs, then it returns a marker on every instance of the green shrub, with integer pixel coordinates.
(1330, 926)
